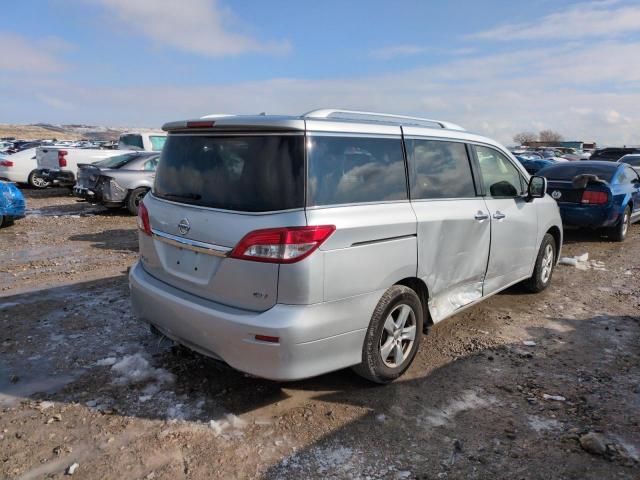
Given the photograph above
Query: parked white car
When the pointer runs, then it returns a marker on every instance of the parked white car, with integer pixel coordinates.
(59, 164)
(21, 167)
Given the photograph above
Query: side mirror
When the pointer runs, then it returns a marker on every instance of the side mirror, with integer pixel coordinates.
(537, 187)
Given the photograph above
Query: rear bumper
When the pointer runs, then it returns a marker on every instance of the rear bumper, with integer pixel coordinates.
(313, 339)
(588, 215)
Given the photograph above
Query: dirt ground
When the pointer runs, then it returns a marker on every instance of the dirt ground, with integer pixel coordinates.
(520, 387)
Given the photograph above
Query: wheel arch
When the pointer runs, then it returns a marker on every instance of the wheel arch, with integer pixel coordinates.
(555, 232)
(421, 289)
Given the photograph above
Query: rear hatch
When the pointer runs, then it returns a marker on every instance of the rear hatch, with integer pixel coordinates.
(211, 189)
(47, 157)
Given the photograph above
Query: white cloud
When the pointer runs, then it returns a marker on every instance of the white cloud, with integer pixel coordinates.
(584, 90)
(584, 20)
(195, 26)
(20, 54)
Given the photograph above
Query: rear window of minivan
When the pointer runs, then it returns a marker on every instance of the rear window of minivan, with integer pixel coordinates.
(249, 173)
(353, 169)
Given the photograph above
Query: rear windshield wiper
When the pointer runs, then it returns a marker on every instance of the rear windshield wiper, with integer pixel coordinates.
(184, 196)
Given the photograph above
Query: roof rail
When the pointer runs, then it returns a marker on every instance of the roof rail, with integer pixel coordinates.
(331, 113)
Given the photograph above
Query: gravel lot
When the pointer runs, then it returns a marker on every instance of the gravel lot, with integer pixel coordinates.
(522, 386)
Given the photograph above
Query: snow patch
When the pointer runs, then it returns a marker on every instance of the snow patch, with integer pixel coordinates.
(133, 369)
(581, 262)
(468, 400)
(540, 424)
(106, 362)
(230, 424)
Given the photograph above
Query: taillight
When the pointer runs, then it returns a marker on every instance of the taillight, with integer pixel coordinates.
(6, 163)
(62, 160)
(594, 198)
(143, 219)
(282, 245)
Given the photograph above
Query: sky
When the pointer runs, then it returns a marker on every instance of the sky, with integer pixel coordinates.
(495, 67)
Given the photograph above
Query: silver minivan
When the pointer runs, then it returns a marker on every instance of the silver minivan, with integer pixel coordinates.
(289, 247)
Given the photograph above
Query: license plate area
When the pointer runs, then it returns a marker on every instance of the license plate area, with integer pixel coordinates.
(187, 264)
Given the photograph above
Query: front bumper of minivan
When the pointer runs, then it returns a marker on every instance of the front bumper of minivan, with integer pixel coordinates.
(311, 337)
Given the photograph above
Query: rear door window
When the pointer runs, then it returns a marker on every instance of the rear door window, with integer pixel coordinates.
(250, 173)
(439, 169)
(352, 169)
(500, 177)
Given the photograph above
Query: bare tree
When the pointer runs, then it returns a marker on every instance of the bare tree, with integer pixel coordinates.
(524, 137)
(550, 136)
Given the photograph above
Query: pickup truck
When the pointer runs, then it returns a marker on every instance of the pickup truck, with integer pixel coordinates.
(60, 164)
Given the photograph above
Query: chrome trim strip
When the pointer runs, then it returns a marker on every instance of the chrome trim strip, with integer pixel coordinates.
(193, 245)
(380, 240)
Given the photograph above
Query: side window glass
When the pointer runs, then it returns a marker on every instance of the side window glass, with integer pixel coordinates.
(439, 169)
(345, 170)
(150, 165)
(500, 177)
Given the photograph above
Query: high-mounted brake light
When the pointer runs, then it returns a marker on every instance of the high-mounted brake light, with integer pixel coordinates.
(282, 245)
(6, 163)
(591, 197)
(201, 124)
(62, 160)
(143, 219)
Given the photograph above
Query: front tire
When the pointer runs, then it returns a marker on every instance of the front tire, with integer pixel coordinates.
(619, 232)
(36, 181)
(393, 336)
(545, 262)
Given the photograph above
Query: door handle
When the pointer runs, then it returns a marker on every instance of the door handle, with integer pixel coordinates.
(499, 215)
(481, 216)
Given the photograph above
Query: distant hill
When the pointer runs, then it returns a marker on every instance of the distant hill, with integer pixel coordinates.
(38, 131)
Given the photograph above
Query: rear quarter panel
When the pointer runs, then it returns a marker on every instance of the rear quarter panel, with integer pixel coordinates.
(373, 247)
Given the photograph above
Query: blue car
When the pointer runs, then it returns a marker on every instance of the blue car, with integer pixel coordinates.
(12, 204)
(596, 194)
(533, 165)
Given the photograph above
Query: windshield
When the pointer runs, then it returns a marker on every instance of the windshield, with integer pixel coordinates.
(117, 161)
(633, 160)
(251, 173)
(568, 171)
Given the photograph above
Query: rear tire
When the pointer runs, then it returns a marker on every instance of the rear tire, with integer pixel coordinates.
(543, 270)
(135, 197)
(393, 336)
(619, 232)
(36, 181)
